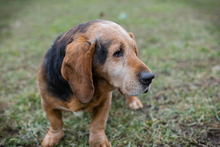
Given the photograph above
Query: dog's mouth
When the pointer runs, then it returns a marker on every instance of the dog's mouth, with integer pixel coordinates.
(147, 89)
(120, 91)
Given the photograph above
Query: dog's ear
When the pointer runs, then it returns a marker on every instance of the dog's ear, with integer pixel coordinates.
(77, 68)
(132, 36)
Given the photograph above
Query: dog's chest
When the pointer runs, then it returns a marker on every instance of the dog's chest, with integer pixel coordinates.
(78, 113)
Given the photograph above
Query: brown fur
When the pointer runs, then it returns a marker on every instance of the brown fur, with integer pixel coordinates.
(91, 82)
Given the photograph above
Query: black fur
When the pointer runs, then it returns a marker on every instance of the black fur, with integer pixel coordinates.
(101, 51)
(56, 84)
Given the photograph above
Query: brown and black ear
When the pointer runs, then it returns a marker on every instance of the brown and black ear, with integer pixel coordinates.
(77, 68)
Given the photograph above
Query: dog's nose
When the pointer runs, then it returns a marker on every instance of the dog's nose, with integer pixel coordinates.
(146, 77)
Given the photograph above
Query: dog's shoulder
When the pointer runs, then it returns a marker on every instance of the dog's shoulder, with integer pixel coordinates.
(52, 64)
(56, 84)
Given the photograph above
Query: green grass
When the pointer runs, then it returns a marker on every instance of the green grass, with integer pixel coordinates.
(178, 40)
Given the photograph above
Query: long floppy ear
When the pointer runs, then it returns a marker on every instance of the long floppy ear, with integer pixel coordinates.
(77, 68)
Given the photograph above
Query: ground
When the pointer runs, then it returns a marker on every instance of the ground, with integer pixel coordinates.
(177, 39)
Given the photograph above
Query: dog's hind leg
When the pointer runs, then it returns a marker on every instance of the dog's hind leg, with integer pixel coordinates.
(55, 133)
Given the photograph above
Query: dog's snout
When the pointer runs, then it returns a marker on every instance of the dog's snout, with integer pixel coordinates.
(146, 77)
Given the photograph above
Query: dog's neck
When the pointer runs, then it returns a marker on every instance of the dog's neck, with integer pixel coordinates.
(102, 86)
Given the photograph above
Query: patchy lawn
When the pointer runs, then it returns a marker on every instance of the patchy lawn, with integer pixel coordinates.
(178, 40)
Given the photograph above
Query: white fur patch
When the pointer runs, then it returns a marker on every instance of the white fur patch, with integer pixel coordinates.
(48, 136)
(134, 104)
(78, 113)
(47, 139)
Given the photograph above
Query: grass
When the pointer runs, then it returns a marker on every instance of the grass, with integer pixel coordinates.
(178, 40)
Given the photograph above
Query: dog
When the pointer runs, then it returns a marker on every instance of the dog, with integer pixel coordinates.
(81, 69)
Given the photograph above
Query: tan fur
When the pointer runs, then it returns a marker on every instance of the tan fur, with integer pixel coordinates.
(77, 70)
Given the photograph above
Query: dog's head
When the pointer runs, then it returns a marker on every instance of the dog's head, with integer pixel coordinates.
(107, 49)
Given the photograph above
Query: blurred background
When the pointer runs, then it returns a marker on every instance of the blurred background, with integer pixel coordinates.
(179, 40)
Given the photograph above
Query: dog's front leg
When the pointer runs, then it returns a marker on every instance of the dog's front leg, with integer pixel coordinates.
(97, 135)
(55, 133)
(133, 102)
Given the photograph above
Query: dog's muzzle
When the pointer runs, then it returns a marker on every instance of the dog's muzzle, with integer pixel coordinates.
(147, 89)
(146, 79)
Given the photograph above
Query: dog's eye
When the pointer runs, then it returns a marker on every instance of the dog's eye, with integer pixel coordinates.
(118, 53)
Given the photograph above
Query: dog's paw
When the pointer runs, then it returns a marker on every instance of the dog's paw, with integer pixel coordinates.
(104, 144)
(52, 138)
(133, 102)
(98, 140)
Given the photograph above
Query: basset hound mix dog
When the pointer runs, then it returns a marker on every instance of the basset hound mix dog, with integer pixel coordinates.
(81, 69)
